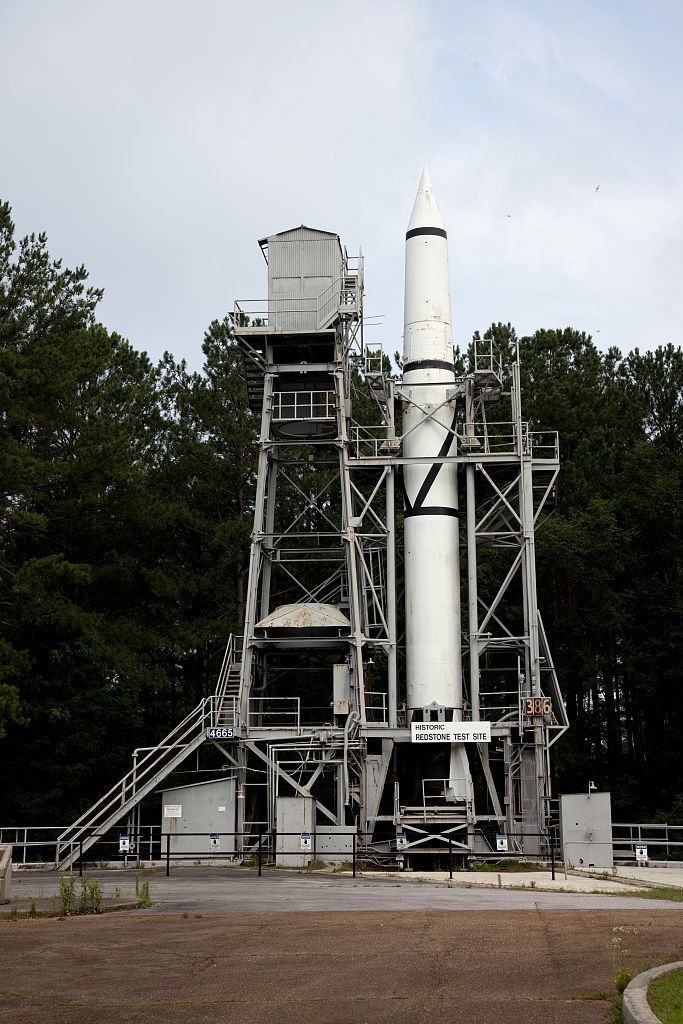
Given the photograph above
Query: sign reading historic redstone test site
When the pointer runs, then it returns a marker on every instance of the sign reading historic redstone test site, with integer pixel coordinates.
(450, 732)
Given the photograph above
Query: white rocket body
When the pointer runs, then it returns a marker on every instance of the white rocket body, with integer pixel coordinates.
(431, 534)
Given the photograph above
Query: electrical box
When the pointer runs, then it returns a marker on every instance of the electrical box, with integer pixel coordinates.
(334, 843)
(295, 818)
(207, 808)
(341, 689)
(586, 830)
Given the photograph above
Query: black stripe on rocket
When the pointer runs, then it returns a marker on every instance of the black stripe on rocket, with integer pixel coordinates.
(441, 232)
(418, 508)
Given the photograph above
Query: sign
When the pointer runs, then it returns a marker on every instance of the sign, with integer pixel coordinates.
(401, 839)
(641, 851)
(536, 707)
(502, 844)
(306, 842)
(124, 844)
(173, 810)
(214, 841)
(450, 732)
(222, 732)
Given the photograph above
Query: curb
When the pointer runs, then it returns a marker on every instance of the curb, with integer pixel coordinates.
(635, 1006)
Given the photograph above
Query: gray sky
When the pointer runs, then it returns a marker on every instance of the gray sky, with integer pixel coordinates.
(155, 141)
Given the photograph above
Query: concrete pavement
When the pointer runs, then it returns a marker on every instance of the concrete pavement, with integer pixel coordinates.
(215, 890)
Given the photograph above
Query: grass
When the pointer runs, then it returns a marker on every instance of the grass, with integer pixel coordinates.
(89, 901)
(665, 996)
(662, 893)
(144, 899)
(510, 866)
(598, 995)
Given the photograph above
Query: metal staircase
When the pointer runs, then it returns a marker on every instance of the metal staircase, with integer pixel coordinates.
(218, 710)
(227, 697)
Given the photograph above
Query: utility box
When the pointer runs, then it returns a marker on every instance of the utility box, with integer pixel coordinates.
(205, 807)
(341, 688)
(586, 830)
(295, 831)
(334, 843)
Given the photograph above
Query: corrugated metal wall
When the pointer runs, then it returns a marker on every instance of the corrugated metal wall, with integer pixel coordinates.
(302, 265)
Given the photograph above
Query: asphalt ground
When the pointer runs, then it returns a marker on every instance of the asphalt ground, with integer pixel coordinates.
(228, 946)
(215, 890)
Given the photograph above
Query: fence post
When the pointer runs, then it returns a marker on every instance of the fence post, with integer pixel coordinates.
(552, 857)
(274, 847)
(260, 844)
(168, 854)
(354, 854)
(450, 857)
(80, 857)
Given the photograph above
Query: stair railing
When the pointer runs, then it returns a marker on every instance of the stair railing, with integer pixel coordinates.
(200, 718)
(224, 672)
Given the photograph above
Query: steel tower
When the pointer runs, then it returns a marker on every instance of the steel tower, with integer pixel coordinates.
(313, 715)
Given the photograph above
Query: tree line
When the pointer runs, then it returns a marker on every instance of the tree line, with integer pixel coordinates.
(126, 502)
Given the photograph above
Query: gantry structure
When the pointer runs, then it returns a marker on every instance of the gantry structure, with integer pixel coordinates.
(309, 711)
(321, 697)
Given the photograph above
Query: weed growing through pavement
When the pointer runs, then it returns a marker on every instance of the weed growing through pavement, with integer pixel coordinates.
(91, 897)
(89, 901)
(67, 895)
(622, 975)
(143, 895)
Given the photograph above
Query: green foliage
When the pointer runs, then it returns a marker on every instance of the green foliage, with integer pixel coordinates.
(88, 901)
(67, 895)
(91, 897)
(665, 996)
(125, 514)
(508, 866)
(142, 894)
(662, 892)
(126, 504)
(622, 979)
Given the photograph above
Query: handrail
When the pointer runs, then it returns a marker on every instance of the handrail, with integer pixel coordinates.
(126, 787)
(324, 305)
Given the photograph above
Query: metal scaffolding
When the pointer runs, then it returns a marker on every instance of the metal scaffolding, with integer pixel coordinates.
(310, 705)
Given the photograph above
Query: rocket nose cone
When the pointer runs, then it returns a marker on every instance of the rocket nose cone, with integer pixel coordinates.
(426, 213)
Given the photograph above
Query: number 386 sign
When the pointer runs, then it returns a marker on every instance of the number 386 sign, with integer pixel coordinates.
(536, 707)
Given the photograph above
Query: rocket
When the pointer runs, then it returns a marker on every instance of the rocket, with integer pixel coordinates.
(431, 529)
(431, 533)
